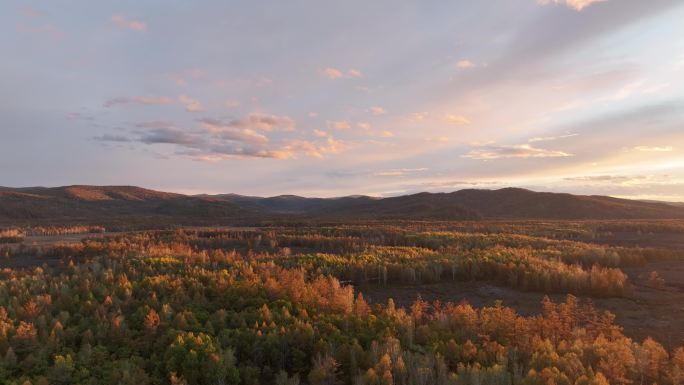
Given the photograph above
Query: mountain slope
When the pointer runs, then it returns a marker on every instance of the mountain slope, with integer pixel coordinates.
(466, 204)
(134, 205)
(521, 203)
(111, 203)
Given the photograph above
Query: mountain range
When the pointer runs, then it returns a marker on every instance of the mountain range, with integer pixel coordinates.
(135, 205)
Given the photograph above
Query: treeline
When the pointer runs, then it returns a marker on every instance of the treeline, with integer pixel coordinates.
(516, 261)
(517, 268)
(117, 319)
(11, 236)
(63, 230)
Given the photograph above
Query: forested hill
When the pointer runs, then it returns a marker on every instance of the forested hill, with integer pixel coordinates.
(98, 204)
(465, 204)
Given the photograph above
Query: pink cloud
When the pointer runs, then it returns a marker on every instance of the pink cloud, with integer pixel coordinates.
(132, 25)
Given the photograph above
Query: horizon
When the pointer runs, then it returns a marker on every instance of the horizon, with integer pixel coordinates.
(575, 96)
(210, 194)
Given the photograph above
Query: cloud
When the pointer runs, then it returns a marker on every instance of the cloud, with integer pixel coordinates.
(155, 124)
(363, 125)
(170, 136)
(456, 119)
(376, 110)
(245, 137)
(321, 133)
(132, 25)
(600, 178)
(399, 172)
(154, 100)
(339, 124)
(419, 116)
(181, 79)
(314, 149)
(386, 134)
(334, 73)
(658, 183)
(79, 116)
(232, 132)
(439, 139)
(191, 105)
(653, 148)
(550, 138)
(354, 73)
(256, 121)
(577, 5)
(112, 138)
(513, 151)
(312, 114)
(465, 64)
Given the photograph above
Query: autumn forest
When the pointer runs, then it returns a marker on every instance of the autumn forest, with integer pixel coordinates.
(309, 304)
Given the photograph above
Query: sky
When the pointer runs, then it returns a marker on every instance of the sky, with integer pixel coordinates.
(333, 98)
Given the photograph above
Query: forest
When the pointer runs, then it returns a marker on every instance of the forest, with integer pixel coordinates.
(294, 305)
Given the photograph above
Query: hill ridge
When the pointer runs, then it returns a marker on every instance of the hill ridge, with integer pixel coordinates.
(87, 203)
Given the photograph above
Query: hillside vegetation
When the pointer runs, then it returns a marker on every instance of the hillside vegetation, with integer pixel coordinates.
(134, 206)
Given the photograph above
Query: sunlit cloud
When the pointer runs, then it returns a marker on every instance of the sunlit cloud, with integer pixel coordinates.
(334, 73)
(132, 25)
(456, 119)
(246, 137)
(654, 148)
(523, 89)
(513, 151)
(339, 124)
(354, 73)
(399, 172)
(550, 138)
(602, 178)
(314, 149)
(438, 139)
(419, 116)
(182, 79)
(191, 105)
(577, 5)
(465, 64)
(376, 110)
(256, 121)
(363, 125)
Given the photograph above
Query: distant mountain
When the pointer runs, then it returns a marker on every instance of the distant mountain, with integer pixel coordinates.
(507, 203)
(135, 205)
(677, 204)
(97, 204)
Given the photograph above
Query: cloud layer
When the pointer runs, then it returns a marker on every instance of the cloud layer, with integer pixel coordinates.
(562, 95)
